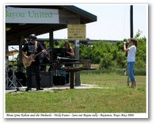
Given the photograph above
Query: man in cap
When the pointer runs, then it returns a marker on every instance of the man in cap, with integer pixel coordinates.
(33, 47)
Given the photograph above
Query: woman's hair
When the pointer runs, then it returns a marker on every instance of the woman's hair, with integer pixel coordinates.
(69, 46)
(134, 41)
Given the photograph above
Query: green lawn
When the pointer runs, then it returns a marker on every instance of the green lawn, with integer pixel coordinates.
(114, 96)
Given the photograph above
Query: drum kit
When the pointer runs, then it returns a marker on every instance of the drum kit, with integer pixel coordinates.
(15, 79)
(12, 82)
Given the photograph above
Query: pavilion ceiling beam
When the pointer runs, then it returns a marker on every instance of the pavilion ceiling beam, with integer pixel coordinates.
(42, 28)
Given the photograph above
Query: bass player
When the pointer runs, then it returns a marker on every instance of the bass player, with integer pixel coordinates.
(33, 47)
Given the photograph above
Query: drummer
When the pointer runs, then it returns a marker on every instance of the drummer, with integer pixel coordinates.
(70, 54)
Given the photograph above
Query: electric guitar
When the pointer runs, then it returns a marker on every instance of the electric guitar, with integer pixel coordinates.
(27, 62)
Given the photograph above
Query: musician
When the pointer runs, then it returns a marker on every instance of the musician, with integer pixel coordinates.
(68, 50)
(131, 59)
(33, 47)
(70, 54)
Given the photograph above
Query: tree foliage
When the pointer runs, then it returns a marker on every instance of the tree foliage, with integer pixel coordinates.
(109, 55)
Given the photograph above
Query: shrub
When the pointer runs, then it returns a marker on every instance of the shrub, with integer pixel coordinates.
(106, 61)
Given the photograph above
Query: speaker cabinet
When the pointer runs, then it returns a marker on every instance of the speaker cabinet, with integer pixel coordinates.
(46, 79)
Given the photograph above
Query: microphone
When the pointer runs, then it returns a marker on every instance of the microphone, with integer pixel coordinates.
(58, 57)
(25, 41)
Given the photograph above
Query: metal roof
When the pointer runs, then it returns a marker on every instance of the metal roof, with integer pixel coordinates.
(82, 12)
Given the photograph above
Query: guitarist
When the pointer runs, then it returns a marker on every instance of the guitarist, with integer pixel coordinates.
(33, 47)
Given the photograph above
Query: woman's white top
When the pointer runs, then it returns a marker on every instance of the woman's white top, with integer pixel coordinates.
(131, 54)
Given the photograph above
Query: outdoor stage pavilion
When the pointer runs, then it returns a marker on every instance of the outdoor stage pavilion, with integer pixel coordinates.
(62, 15)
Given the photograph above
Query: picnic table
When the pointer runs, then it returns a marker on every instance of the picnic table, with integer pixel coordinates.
(70, 69)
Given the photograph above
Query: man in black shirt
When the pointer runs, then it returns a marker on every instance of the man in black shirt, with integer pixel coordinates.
(33, 47)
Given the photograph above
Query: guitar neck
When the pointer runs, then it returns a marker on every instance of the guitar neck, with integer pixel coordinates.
(37, 54)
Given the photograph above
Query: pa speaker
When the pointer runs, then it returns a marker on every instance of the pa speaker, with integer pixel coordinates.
(46, 79)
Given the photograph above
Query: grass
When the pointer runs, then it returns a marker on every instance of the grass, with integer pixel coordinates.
(119, 71)
(113, 97)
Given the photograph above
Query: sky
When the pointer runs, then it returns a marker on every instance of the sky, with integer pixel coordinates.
(113, 21)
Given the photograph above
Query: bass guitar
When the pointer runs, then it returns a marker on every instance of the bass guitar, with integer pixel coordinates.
(27, 62)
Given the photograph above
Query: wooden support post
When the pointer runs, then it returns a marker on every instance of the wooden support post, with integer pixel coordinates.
(51, 44)
(72, 80)
(20, 48)
(6, 49)
(21, 39)
(51, 54)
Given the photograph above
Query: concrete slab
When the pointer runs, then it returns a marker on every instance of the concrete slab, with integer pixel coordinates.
(51, 89)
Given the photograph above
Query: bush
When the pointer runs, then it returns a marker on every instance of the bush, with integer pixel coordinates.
(109, 55)
(121, 59)
(106, 61)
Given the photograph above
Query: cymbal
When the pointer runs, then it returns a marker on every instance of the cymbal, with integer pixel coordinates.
(11, 53)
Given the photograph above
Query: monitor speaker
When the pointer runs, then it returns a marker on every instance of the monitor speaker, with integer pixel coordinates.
(46, 79)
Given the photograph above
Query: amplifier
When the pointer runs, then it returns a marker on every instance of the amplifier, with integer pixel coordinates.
(46, 79)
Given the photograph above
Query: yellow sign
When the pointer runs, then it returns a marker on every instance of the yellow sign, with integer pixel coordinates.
(76, 31)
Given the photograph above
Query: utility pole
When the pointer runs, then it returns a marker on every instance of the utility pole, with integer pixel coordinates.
(131, 21)
(131, 31)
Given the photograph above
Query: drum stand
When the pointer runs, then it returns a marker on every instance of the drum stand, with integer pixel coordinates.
(14, 82)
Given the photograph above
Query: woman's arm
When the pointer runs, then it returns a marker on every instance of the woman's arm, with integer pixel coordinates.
(71, 53)
(125, 49)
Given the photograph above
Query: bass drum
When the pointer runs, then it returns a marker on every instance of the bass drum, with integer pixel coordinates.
(21, 77)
